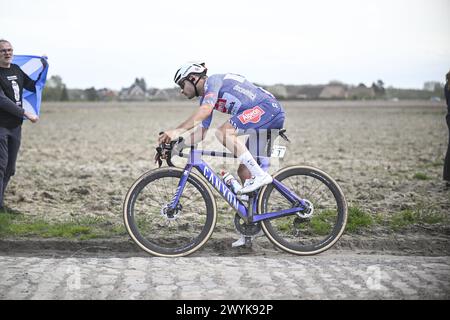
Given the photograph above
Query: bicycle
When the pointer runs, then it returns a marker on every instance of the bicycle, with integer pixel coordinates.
(172, 212)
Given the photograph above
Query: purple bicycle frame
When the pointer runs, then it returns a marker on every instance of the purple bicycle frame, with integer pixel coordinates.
(195, 161)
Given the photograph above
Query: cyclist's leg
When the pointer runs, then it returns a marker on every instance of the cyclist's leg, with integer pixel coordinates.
(243, 173)
(251, 141)
(228, 135)
(256, 144)
(254, 122)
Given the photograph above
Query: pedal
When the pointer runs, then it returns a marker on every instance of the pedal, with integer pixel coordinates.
(243, 241)
(248, 242)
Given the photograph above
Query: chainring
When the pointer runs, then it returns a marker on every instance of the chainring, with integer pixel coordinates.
(244, 228)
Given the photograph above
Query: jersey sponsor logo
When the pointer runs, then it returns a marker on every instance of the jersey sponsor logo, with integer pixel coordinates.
(245, 92)
(233, 103)
(221, 105)
(252, 115)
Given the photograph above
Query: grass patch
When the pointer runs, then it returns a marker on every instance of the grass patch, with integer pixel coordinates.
(323, 222)
(421, 176)
(418, 215)
(19, 225)
(283, 224)
(80, 229)
(438, 163)
(46, 230)
(358, 219)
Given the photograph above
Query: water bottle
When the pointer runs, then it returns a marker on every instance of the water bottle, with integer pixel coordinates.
(231, 182)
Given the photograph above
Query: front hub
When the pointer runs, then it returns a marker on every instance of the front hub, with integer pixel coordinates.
(171, 213)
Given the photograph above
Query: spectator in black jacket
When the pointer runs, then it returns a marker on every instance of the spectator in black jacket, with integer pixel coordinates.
(12, 82)
(447, 156)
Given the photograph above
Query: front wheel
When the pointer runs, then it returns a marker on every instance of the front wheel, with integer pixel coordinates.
(314, 232)
(164, 232)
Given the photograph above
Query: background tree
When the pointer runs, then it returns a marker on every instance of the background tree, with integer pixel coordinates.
(64, 94)
(54, 89)
(91, 94)
(141, 83)
(379, 89)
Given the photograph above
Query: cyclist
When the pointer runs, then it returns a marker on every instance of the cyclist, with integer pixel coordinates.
(252, 109)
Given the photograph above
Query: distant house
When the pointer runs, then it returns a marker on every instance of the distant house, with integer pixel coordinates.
(106, 94)
(160, 94)
(76, 94)
(133, 93)
(361, 92)
(302, 92)
(432, 86)
(278, 91)
(309, 92)
(152, 91)
(333, 92)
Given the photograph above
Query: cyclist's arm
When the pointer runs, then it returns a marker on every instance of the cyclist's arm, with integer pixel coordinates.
(204, 112)
(201, 114)
(197, 136)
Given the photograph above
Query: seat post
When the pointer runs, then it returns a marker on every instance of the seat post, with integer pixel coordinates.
(269, 143)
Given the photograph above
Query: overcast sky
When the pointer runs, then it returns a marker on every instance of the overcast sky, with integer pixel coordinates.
(109, 43)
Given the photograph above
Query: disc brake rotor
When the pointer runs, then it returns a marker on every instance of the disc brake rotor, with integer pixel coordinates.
(171, 214)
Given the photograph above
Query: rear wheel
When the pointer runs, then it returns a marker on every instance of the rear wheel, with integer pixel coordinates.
(164, 232)
(311, 233)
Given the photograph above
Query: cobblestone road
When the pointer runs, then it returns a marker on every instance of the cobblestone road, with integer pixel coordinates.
(328, 276)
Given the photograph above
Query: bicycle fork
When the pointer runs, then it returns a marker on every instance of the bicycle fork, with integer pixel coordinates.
(173, 205)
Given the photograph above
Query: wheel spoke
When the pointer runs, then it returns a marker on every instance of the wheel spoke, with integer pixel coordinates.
(306, 235)
(165, 231)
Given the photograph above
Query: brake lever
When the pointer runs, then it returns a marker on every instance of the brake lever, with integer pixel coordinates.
(165, 149)
(158, 156)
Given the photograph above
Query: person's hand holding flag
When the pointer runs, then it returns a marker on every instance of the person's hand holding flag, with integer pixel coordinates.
(30, 116)
(36, 68)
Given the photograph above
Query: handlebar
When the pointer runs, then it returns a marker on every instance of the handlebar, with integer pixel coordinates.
(164, 150)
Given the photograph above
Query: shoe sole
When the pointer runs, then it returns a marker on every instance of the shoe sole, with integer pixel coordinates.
(240, 192)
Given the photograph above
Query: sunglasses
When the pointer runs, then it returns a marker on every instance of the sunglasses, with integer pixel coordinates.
(181, 83)
(4, 51)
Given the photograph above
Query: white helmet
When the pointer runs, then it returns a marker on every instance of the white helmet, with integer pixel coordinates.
(187, 69)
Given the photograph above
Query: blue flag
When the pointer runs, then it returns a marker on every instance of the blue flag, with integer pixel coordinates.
(32, 66)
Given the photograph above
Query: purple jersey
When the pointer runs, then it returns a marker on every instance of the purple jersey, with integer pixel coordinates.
(233, 94)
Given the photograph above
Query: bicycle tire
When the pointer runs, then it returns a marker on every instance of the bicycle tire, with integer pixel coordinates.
(153, 231)
(305, 236)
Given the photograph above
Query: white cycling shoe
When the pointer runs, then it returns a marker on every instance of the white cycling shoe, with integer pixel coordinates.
(239, 242)
(243, 241)
(255, 183)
